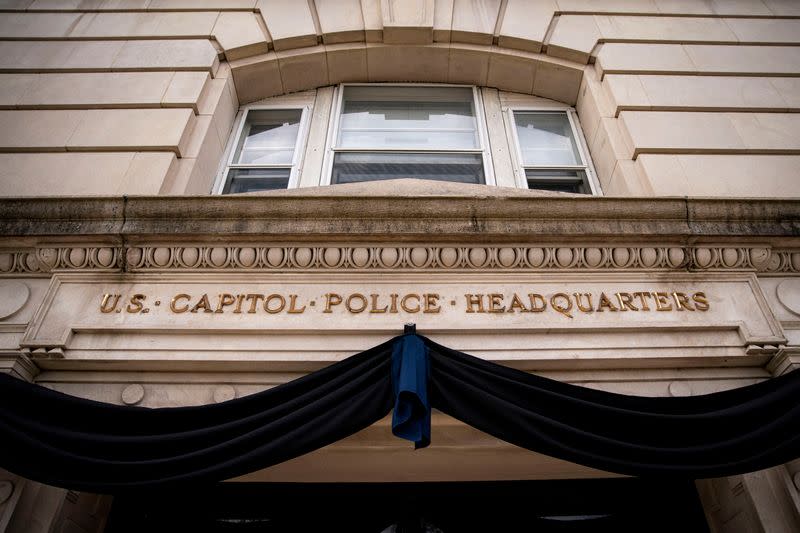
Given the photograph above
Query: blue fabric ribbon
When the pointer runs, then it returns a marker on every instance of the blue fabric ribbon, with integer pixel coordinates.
(412, 411)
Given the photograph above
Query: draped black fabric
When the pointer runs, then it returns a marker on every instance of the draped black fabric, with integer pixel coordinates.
(713, 435)
(85, 445)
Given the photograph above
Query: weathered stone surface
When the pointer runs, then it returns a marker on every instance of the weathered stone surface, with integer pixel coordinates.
(406, 210)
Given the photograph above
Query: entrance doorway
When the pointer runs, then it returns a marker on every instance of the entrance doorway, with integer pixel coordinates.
(622, 504)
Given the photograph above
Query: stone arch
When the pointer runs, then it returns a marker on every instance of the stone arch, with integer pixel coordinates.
(276, 73)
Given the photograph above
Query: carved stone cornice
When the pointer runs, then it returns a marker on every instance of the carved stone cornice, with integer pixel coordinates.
(411, 213)
(193, 257)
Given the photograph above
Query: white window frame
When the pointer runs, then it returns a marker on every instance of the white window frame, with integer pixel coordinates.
(333, 131)
(580, 142)
(239, 127)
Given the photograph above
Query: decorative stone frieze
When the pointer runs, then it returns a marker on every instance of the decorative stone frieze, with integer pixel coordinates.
(249, 257)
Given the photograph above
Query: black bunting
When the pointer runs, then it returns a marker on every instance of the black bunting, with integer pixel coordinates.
(86, 445)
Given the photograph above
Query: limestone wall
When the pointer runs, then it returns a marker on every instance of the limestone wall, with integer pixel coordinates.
(676, 97)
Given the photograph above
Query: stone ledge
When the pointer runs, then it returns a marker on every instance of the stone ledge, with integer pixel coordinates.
(402, 210)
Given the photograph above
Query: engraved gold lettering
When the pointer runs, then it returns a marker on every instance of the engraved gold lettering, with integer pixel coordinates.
(109, 303)
(700, 301)
(681, 301)
(563, 309)
(239, 300)
(605, 302)
(223, 300)
(173, 304)
(516, 304)
(136, 303)
(272, 309)
(431, 303)
(393, 304)
(404, 301)
(496, 303)
(253, 299)
(203, 304)
(373, 308)
(538, 303)
(293, 305)
(588, 308)
(356, 296)
(662, 301)
(331, 299)
(643, 299)
(625, 301)
(474, 300)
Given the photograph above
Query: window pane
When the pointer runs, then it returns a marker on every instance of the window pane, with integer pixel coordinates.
(434, 118)
(269, 137)
(546, 139)
(557, 180)
(354, 167)
(256, 179)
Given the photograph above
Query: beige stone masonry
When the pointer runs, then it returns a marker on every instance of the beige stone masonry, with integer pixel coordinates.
(474, 21)
(442, 20)
(407, 22)
(558, 82)
(139, 129)
(665, 29)
(711, 93)
(38, 26)
(197, 168)
(64, 174)
(574, 38)
(289, 23)
(192, 5)
(92, 130)
(722, 175)
(240, 35)
(373, 20)
(195, 171)
(468, 64)
(634, 58)
(98, 56)
(102, 90)
(608, 147)
(512, 70)
(341, 21)
(745, 59)
(405, 63)
(257, 77)
(525, 24)
(303, 69)
(22, 131)
(789, 89)
(788, 8)
(746, 8)
(694, 132)
(139, 5)
(765, 30)
(347, 62)
(187, 25)
(154, 55)
(592, 105)
(626, 181)
(186, 88)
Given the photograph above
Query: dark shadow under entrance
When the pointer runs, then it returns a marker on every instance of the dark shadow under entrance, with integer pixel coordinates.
(564, 505)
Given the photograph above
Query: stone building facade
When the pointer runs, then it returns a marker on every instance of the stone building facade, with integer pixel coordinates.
(129, 265)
